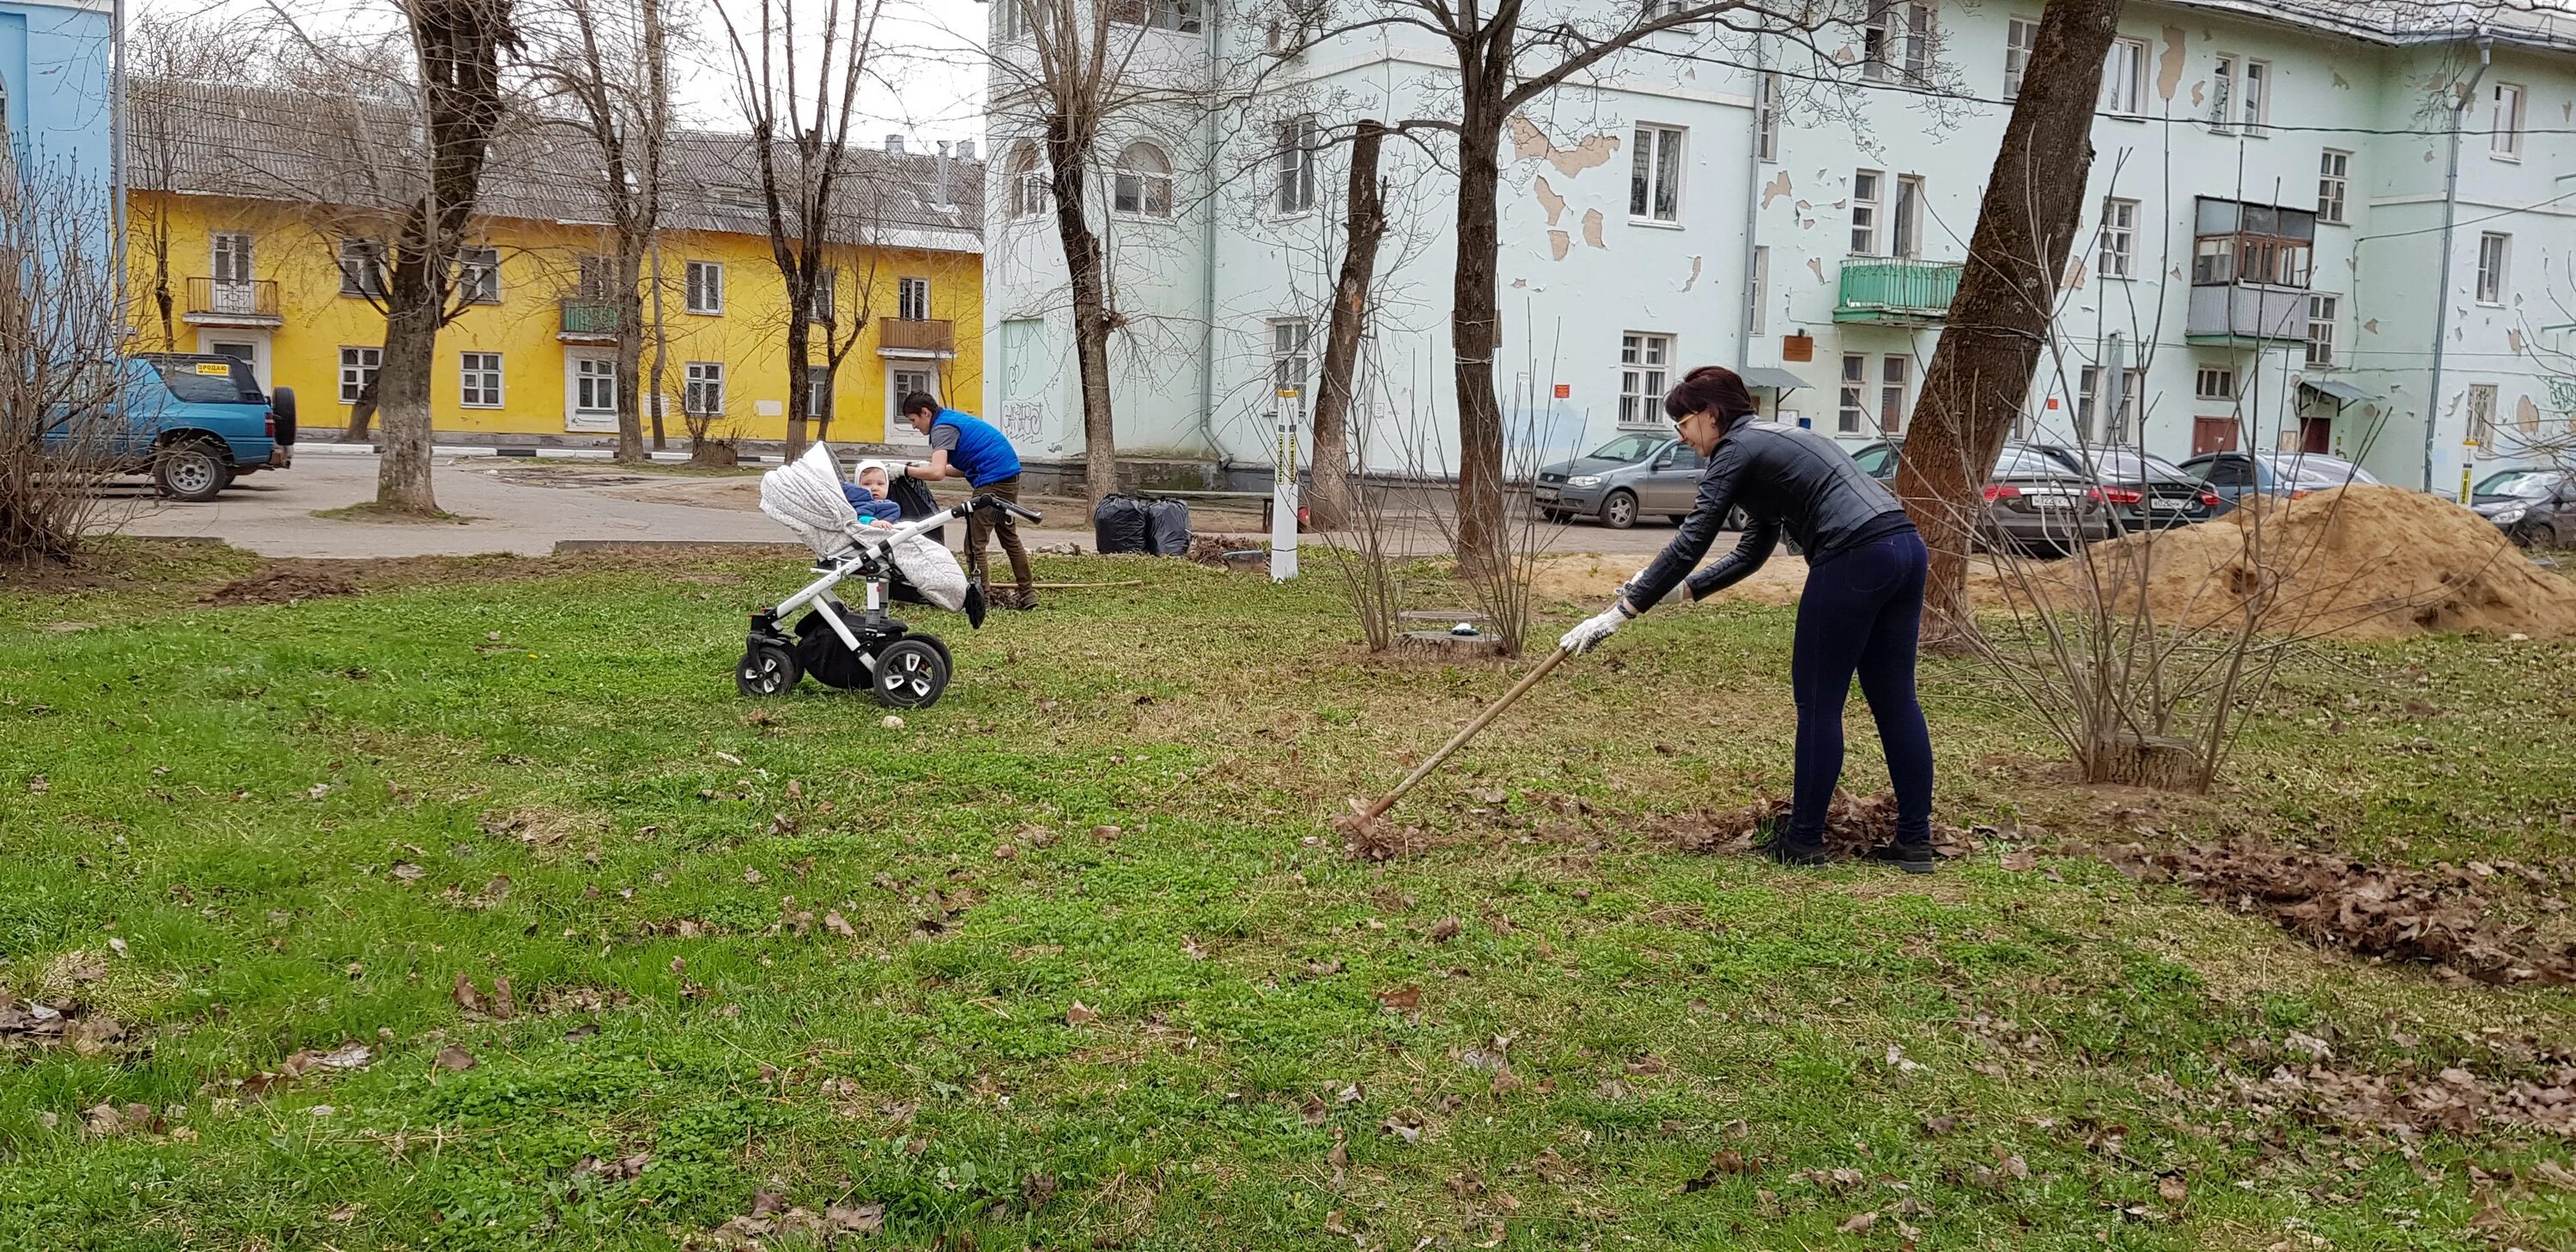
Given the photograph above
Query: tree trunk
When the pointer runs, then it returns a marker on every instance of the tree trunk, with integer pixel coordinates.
(1366, 227)
(661, 348)
(1068, 174)
(1475, 334)
(1980, 374)
(362, 413)
(161, 299)
(630, 352)
(402, 386)
(800, 345)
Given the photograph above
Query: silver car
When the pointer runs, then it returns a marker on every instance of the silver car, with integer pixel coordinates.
(1632, 476)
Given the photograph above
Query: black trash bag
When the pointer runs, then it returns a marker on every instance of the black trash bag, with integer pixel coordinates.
(820, 651)
(912, 495)
(1122, 524)
(1168, 527)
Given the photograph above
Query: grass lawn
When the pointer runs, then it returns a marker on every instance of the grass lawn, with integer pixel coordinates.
(1071, 960)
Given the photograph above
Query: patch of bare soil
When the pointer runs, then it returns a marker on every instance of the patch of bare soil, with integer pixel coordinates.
(280, 585)
(2360, 562)
(2381, 914)
(1852, 827)
(1211, 549)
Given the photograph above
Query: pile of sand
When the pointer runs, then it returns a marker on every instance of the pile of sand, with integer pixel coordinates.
(2361, 562)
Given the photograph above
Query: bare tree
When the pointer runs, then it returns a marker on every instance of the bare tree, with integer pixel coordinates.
(62, 432)
(800, 92)
(1981, 371)
(162, 48)
(1365, 229)
(606, 65)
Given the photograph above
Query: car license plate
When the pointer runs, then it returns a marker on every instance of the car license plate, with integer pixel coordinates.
(2168, 504)
(1546, 495)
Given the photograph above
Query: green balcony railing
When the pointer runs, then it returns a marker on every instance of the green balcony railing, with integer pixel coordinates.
(1906, 292)
(590, 317)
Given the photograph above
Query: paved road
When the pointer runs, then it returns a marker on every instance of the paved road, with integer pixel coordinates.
(517, 506)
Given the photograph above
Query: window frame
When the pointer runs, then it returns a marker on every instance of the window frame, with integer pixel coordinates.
(1126, 174)
(819, 391)
(1756, 319)
(2021, 36)
(1903, 37)
(700, 279)
(1768, 92)
(2132, 86)
(484, 365)
(912, 299)
(2490, 278)
(1865, 211)
(823, 300)
(478, 275)
(2332, 304)
(1292, 166)
(1905, 219)
(358, 365)
(1851, 401)
(1644, 379)
(2088, 404)
(2119, 239)
(1655, 169)
(1032, 192)
(2504, 134)
(1291, 352)
(595, 379)
(1895, 393)
(2334, 170)
(244, 256)
(2482, 417)
(367, 251)
(2213, 384)
(700, 380)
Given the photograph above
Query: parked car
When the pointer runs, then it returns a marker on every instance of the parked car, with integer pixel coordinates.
(2533, 507)
(2145, 492)
(194, 422)
(1632, 476)
(2287, 475)
(2034, 501)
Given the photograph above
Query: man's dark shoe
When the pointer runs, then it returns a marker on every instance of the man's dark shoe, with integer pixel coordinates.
(1021, 598)
(1787, 851)
(1913, 858)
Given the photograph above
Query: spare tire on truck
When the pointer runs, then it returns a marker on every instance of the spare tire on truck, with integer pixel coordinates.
(281, 407)
(1167, 525)
(1122, 524)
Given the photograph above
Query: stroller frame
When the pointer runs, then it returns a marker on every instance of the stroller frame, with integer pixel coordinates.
(904, 668)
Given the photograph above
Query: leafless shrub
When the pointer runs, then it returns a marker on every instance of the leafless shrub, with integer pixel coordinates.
(62, 432)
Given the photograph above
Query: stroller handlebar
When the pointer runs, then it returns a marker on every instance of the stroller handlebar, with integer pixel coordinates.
(996, 502)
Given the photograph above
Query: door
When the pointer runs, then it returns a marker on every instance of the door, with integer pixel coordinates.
(1671, 487)
(2316, 434)
(900, 382)
(2212, 434)
(241, 345)
(590, 392)
(233, 292)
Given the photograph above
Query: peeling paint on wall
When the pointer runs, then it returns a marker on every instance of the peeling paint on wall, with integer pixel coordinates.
(1803, 205)
(1592, 227)
(2339, 83)
(2169, 67)
(2074, 275)
(2370, 327)
(2513, 339)
(2526, 415)
(1776, 188)
(1693, 280)
(2198, 92)
(1559, 243)
(1817, 266)
(1550, 201)
(2428, 156)
(1529, 143)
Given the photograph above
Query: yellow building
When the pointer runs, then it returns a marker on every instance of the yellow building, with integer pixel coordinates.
(282, 279)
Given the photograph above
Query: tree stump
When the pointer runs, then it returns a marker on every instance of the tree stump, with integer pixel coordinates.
(2145, 761)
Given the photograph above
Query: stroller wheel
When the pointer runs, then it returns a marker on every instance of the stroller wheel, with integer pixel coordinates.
(766, 669)
(910, 674)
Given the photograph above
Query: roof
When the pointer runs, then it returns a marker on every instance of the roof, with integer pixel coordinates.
(287, 144)
(2340, 392)
(1768, 376)
(2526, 23)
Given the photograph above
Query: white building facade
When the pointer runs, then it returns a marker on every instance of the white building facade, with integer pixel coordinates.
(2291, 238)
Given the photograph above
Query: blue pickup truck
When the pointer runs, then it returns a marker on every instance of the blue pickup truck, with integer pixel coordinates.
(195, 422)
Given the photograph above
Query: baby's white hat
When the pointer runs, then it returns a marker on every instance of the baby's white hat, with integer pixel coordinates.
(861, 469)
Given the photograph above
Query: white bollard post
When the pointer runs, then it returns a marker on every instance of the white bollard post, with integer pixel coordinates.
(1283, 488)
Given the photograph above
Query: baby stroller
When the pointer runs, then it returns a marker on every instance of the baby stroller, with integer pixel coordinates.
(904, 562)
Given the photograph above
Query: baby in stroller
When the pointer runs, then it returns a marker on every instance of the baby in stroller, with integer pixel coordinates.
(867, 494)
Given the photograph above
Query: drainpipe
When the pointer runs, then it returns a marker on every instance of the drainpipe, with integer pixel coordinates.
(1752, 221)
(1207, 268)
(2450, 219)
(116, 157)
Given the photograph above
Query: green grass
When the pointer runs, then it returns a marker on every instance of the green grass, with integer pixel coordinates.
(230, 792)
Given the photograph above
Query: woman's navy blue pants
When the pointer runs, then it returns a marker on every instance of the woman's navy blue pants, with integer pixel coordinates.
(1860, 614)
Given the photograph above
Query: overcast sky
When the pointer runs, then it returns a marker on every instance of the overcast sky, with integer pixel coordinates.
(930, 75)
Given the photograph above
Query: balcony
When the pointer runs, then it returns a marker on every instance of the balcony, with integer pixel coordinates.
(2246, 314)
(589, 320)
(897, 336)
(232, 302)
(1897, 293)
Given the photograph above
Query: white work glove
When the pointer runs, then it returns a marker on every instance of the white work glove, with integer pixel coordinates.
(1592, 630)
(1675, 595)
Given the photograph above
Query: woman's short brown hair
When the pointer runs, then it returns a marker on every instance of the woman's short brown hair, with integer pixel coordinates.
(1709, 387)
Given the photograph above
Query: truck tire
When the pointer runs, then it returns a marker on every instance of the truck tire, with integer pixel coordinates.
(194, 470)
(281, 405)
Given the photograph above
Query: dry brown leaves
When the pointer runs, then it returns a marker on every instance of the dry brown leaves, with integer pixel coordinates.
(283, 585)
(61, 1023)
(2382, 913)
(2410, 1105)
(1851, 827)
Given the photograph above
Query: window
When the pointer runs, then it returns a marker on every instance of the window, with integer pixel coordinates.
(598, 277)
(2321, 331)
(1644, 361)
(1172, 15)
(1893, 372)
(1753, 321)
(1657, 10)
(2234, 242)
(481, 380)
(2491, 257)
(232, 257)
(362, 268)
(706, 288)
(902, 383)
(824, 300)
(2334, 183)
(1766, 122)
(1854, 409)
(2238, 92)
(1905, 230)
(1293, 169)
(1864, 213)
(2214, 382)
(912, 299)
(703, 394)
(2119, 239)
(2504, 122)
(357, 369)
(818, 392)
(478, 275)
(1142, 183)
(594, 385)
(2124, 77)
(1896, 46)
(1029, 194)
(2482, 409)
(2133, 388)
(1655, 176)
(2021, 34)
(1290, 341)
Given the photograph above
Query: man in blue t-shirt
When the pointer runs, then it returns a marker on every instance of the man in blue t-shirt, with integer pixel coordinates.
(964, 446)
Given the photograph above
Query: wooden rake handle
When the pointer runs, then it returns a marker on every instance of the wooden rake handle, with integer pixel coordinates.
(1422, 771)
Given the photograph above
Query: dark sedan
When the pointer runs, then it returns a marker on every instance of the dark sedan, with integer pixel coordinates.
(2533, 507)
(2035, 502)
(2145, 492)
